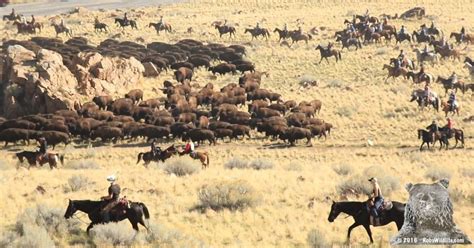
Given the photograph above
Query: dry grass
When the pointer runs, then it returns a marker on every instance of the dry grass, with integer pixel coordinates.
(355, 100)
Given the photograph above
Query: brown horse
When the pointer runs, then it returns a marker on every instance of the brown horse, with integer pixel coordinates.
(35, 157)
(164, 155)
(468, 38)
(326, 53)
(61, 29)
(282, 33)
(458, 135)
(24, 28)
(426, 77)
(395, 72)
(224, 30)
(160, 27)
(202, 156)
(449, 86)
(446, 52)
(255, 32)
(297, 36)
(447, 108)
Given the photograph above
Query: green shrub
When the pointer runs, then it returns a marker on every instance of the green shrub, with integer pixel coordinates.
(182, 166)
(236, 195)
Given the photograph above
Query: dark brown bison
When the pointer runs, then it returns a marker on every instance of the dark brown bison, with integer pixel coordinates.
(164, 121)
(54, 137)
(151, 132)
(200, 61)
(23, 124)
(178, 65)
(257, 104)
(12, 135)
(223, 68)
(187, 117)
(106, 133)
(245, 67)
(240, 130)
(203, 122)
(123, 106)
(296, 119)
(279, 107)
(182, 74)
(135, 95)
(214, 125)
(290, 104)
(178, 129)
(103, 101)
(222, 133)
(293, 134)
(266, 113)
(103, 115)
(199, 135)
(317, 130)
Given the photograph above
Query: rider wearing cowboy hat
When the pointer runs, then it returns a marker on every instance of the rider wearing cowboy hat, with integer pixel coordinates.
(111, 199)
(376, 199)
(42, 148)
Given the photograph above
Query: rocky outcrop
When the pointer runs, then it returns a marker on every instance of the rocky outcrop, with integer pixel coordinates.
(41, 83)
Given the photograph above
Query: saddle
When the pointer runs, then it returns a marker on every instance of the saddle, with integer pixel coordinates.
(386, 206)
(121, 207)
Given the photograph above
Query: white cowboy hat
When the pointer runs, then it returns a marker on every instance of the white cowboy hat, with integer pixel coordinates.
(111, 178)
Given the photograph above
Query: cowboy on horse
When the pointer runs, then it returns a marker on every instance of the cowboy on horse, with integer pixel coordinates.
(433, 129)
(189, 149)
(111, 200)
(125, 19)
(161, 23)
(155, 150)
(375, 201)
(452, 100)
(42, 149)
(463, 34)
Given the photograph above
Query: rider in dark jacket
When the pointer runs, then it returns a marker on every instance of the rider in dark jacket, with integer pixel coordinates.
(111, 199)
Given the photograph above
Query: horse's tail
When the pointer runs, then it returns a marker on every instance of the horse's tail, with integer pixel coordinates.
(139, 157)
(461, 136)
(339, 55)
(145, 210)
(437, 100)
(207, 157)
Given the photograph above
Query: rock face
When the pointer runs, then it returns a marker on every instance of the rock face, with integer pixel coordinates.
(41, 83)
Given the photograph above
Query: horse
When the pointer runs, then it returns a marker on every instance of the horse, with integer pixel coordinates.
(283, 34)
(34, 157)
(297, 36)
(134, 213)
(420, 38)
(202, 156)
(122, 23)
(427, 138)
(348, 42)
(428, 78)
(458, 136)
(11, 17)
(99, 26)
(445, 52)
(24, 28)
(326, 53)
(419, 96)
(359, 211)
(448, 85)
(162, 156)
(467, 37)
(160, 27)
(422, 56)
(395, 72)
(470, 67)
(406, 63)
(371, 19)
(224, 30)
(255, 32)
(447, 108)
(61, 29)
(402, 37)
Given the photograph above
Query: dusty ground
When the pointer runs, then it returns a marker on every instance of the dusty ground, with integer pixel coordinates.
(355, 99)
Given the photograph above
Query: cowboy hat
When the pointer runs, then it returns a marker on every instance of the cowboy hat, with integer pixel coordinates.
(111, 178)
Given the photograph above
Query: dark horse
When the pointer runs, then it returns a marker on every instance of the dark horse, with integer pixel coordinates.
(99, 26)
(326, 53)
(160, 27)
(61, 29)
(358, 210)
(164, 155)
(401, 37)
(92, 208)
(122, 23)
(255, 32)
(225, 29)
(32, 158)
(282, 33)
(427, 138)
(419, 37)
(458, 136)
(418, 96)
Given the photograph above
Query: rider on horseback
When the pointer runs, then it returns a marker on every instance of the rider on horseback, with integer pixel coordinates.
(463, 34)
(433, 128)
(452, 101)
(376, 200)
(422, 73)
(33, 20)
(285, 28)
(432, 25)
(423, 30)
(42, 148)
(125, 19)
(257, 27)
(427, 94)
(111, 199)
(161, 23)
(155, 150)
(453, 79)
(449, 126)
(189, 148)
(403, 30)
(400, 59)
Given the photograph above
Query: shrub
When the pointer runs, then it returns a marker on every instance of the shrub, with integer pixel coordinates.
(182, 167)
(237, 163)
(261, 164)
(82, 164)
(160, 236)
(236, 195)
(7, 238)
(358, 184)
(437, 173)
(4, 165)
(115, 234)
(316, 239)
(381, 51)
(306, 78)
(335, 83)
(346, 111)
(78, 182)
(343, 169)
(34, 236)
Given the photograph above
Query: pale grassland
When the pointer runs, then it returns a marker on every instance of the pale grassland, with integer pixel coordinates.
(355, 100)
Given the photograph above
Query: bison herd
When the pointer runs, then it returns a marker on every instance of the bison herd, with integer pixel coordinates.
(202, 114)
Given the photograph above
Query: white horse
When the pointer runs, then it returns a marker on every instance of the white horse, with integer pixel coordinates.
(430, 56)
(470, 68)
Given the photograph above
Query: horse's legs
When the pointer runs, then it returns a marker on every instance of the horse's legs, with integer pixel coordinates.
(369, 232)
(89, 227)
(134, 225)
(350, 230)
